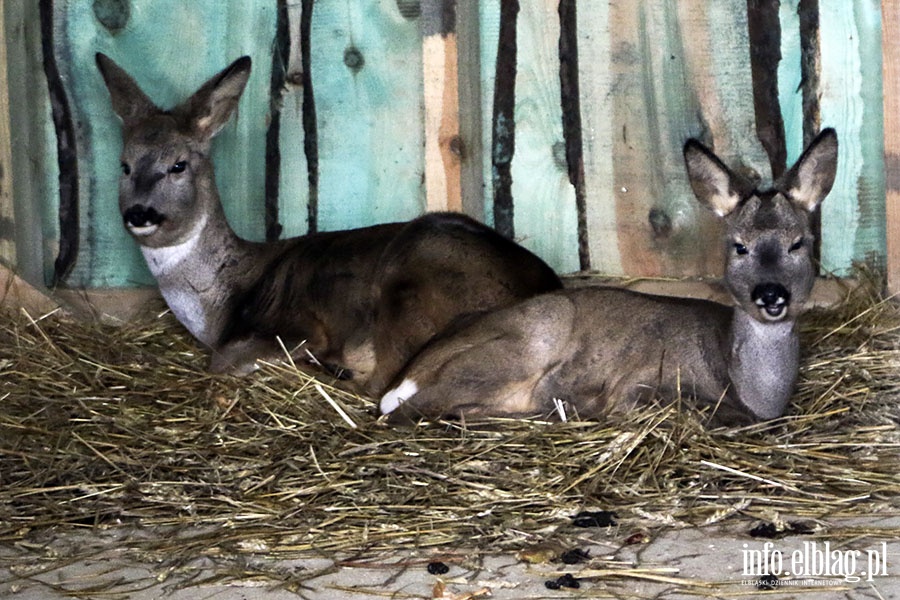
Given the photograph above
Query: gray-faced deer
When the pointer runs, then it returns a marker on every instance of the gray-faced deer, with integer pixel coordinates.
(597, 349)
(362, 300)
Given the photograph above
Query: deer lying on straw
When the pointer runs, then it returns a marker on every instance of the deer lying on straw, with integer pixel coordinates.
(593, 350)
(361, 301)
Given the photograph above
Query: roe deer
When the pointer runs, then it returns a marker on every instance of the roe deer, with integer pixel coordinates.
(598, 349)
(362, 300)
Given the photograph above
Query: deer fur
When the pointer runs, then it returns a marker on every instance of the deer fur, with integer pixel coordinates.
(590, 351)
(360, 301)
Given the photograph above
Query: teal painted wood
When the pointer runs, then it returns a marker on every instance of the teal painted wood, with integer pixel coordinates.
(545, 216)
(35, 171)
(367, 77)
(170, 47)
(293, 195)
(489, 32)
(853, 218)
(790, 96)
(293, 185)
(599, 128)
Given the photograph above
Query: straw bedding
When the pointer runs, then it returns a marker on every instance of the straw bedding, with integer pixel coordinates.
(104, 427)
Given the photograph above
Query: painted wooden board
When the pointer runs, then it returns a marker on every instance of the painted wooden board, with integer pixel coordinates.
(853, 216)
(34, 176)
(599, 128)
(366, 65)
(440, 73)
(7, 210)
(488, 32)
(790, 79)
(545, 214)
(652, 73)
(891, 84)
(293, 185)
(545, 218)
(657, 73)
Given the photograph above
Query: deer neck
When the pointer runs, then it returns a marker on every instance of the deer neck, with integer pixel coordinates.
(763, 363)
(199, 276)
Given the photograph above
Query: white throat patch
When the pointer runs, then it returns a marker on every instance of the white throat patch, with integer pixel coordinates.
(164, 259)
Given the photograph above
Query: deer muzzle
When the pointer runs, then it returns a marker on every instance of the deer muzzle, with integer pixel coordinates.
(142, 220)
(772, 299)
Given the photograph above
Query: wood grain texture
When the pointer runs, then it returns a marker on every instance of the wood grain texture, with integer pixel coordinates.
(790, 77)
(596, 85)
(853, 216)
(34, 167)
(679, 70)
(366, 66)
(296, 186)
(890, 14)
(541, 199)
(469, 47)
(7, 210)
(546, 218)
(440, 73)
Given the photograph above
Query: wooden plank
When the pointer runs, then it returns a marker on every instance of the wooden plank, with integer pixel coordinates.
(890, 25)
(676, 70)
(853, 217)
(294, 196)
(440, 72)
(366, 67)
(503, 120)
(764, 25)
(489, 35)
(34, 168)
(545, 216)
(17, 294)
(158, 45)
(7, 210)
(596, 81)
(571, 121)
(790, 77)
(470, 84)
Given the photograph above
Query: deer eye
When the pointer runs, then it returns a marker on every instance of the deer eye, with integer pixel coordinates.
(796, 245)
(178, 167)
(739, 248)
(126, 169)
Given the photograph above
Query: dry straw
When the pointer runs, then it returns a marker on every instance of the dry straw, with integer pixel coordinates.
(102, 427)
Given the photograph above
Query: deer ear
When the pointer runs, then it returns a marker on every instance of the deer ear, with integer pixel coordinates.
(129, 102)
(211, 106)
(713, 183)
(810, 180)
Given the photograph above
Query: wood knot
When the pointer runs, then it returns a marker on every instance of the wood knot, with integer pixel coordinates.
(112, 14)
(660, 222)
(353, 58)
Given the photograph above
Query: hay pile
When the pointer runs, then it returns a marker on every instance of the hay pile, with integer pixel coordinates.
(102, 427)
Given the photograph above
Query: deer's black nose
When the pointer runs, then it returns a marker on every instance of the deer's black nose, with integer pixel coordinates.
(772, 298)
(141, 216)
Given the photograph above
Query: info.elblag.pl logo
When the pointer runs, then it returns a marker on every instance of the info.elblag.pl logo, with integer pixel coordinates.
(816, 561)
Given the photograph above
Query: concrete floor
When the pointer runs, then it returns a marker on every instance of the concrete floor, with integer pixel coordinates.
(715, 562)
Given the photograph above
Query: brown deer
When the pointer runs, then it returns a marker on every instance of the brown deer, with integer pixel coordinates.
(360, 301)
(593, 350)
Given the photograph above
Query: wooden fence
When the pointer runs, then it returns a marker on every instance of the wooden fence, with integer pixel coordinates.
(560, 123)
